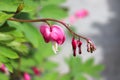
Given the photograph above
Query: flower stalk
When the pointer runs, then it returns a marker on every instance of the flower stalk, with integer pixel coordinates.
(90, 46)
(50, 19)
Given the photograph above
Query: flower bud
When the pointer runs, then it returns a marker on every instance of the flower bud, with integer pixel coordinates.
(79, 46)
(81, 13)
(74, 45)
(90, 46)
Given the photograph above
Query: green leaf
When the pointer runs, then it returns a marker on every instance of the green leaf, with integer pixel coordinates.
(44, 50)
(3, 59)
(8, 52)
(27, 62)
(51, 2)
(24, 15)
(18, 34)
(4, 17)
(65, 77)
(31, 33)
(53, 11)
(30, 6)
(89, 62)
(3, 77)
(49, 65)
(6, 28)
(18, 46)
(51, 76)
(80, 77)
(6, 37)
(75, 65)
(9, 66)
(79, 68)
(13, 5)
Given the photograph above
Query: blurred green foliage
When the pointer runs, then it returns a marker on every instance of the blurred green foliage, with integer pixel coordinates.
(78, 68)
(22, 46)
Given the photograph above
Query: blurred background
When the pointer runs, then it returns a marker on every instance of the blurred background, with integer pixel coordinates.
(30, 58)
(102, 26)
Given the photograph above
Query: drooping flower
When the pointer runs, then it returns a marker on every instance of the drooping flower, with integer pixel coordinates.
(26, 76)
(74, 46)
(36, 71)
(78, 15)
(79, 46)
(90, 46)
(53, 33)
(81, 13)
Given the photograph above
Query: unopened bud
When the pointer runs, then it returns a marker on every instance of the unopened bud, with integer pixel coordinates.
(79, 46)
(74, 45)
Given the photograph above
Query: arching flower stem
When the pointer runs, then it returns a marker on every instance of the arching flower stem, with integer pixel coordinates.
(50, 19)
(90, 46)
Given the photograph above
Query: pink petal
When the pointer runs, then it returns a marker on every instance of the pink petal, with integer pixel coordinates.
(81, 13)
(26, 76)
(57, 34)
(45, 31)
(72, 19)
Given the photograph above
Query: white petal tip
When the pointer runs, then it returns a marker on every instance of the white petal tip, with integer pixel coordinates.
(55, 48)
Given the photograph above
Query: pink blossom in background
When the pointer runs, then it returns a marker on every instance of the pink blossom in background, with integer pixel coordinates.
(26, 76)
(54, 33)
(78, 15)
(36, 71)
(3, 68)
(81, 13)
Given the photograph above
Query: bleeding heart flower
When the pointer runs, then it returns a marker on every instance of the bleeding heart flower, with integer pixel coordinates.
(26, 76)
(81, 13)
(36, 71)
(4, 69)
(53, 33)
(74, 45)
